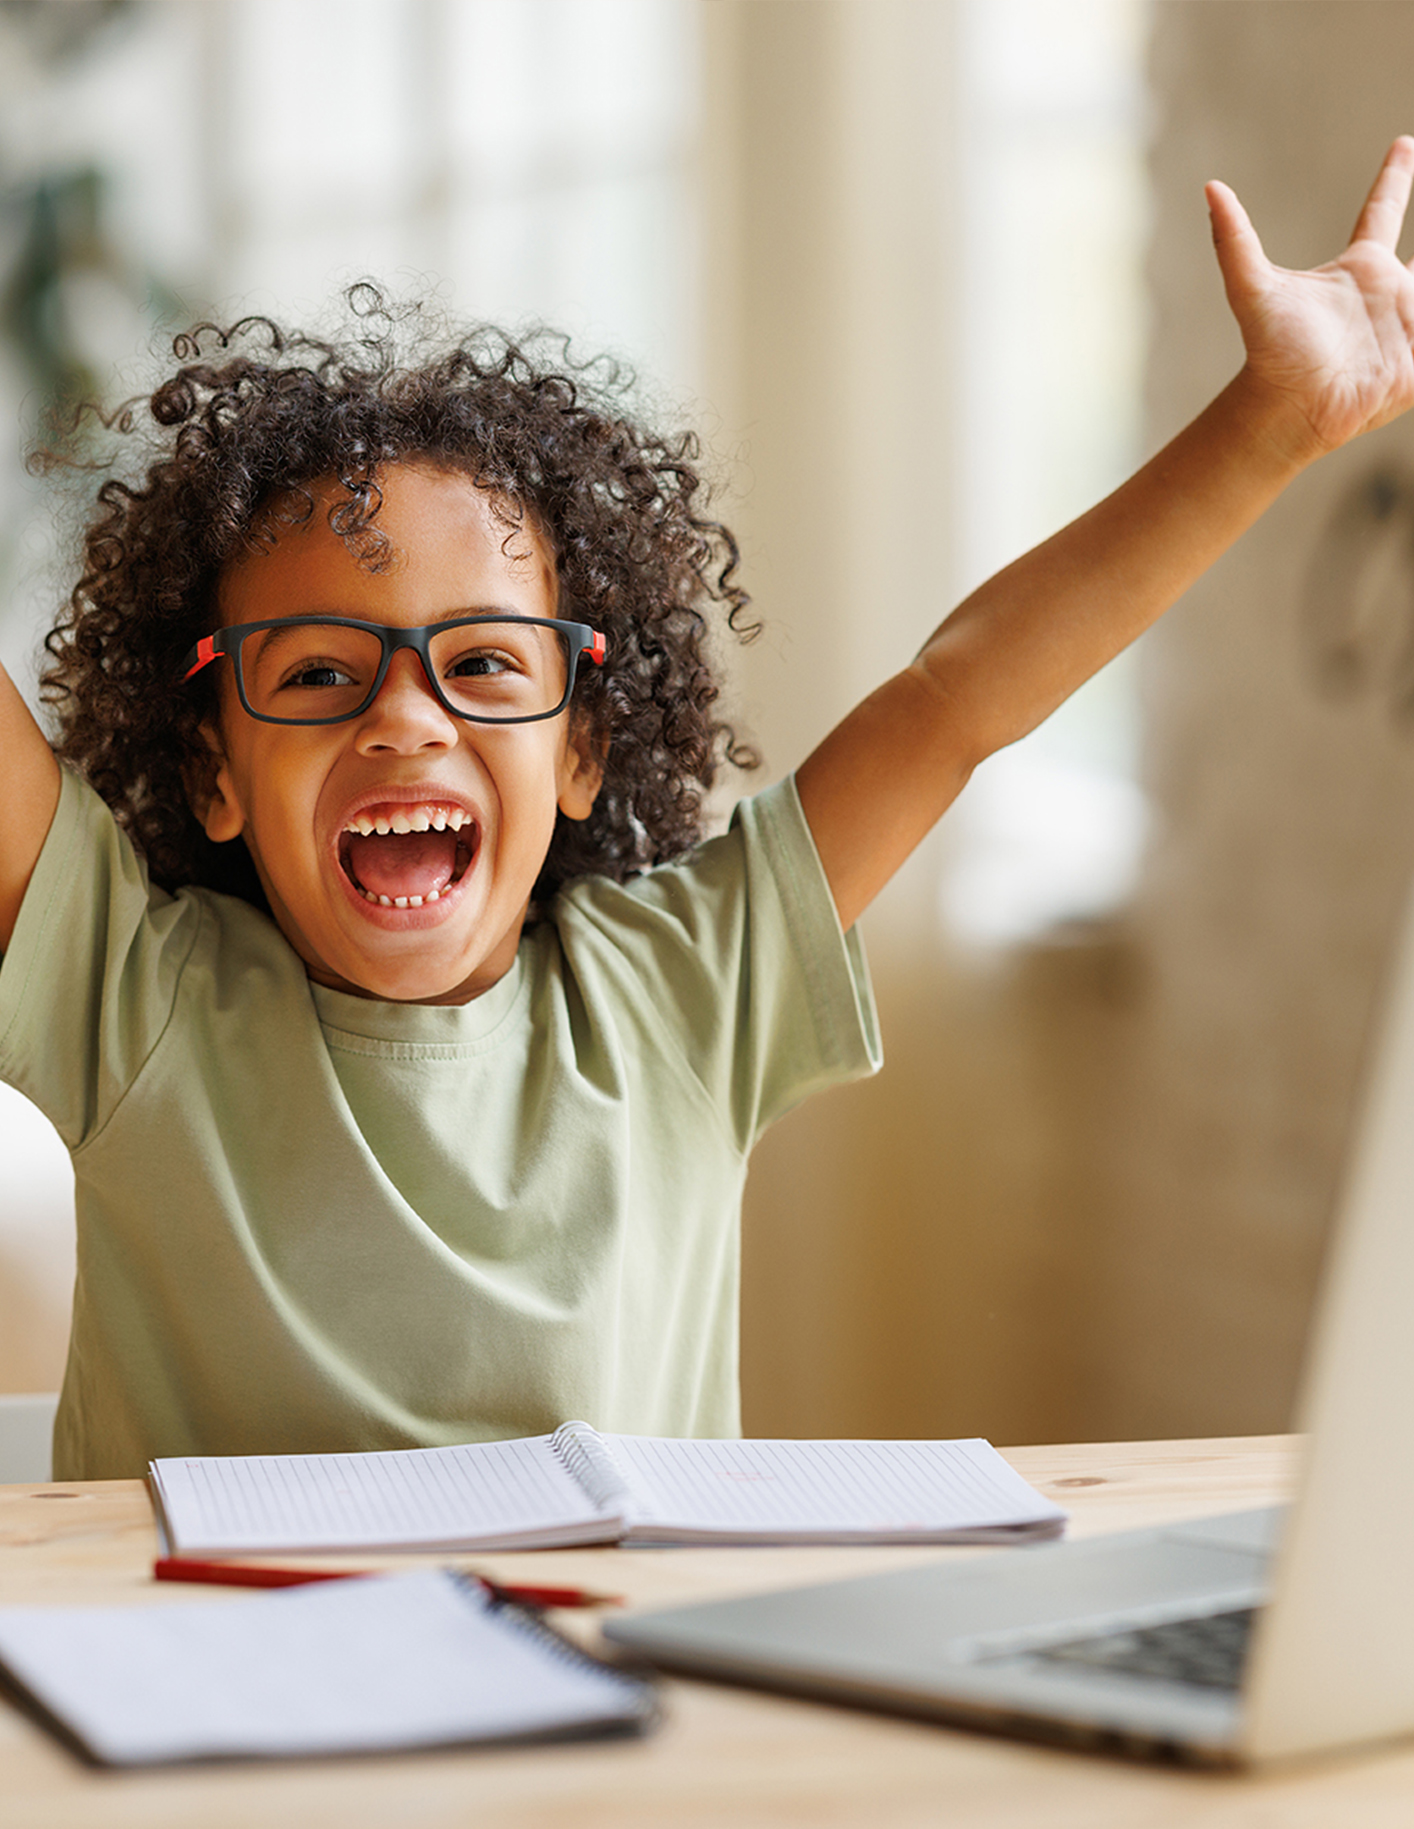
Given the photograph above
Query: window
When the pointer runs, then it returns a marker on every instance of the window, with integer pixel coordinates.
(1052, 146)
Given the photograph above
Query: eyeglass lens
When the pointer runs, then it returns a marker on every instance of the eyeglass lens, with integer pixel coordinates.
(491, 671)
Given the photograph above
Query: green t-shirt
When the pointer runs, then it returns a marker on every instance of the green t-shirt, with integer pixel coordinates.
(312, 1221)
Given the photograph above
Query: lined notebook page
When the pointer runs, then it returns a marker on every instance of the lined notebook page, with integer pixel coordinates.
(827, 1487)
(480, 1492)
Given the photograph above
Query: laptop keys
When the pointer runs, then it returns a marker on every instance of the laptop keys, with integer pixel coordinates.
(1208, 1651)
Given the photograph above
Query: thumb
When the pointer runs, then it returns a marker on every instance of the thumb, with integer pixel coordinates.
(1240, 257)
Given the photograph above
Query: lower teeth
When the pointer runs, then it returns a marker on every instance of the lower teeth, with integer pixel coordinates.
(398, 901)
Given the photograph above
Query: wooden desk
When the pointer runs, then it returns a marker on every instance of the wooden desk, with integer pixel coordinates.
(725, 1756)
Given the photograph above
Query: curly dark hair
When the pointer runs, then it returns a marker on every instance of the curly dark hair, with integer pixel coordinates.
(233, 443)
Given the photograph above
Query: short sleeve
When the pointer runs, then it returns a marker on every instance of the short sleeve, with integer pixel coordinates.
(735, 965)
(89, 980)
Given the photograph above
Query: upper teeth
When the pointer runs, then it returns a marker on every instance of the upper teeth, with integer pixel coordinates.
(409, 819)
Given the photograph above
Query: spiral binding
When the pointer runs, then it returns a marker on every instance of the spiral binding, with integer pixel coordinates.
(589, 1458)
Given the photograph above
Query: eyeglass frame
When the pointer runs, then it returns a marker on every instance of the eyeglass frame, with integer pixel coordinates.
(580, 639)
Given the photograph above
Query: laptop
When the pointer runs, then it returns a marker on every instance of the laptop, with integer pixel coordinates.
(1228, 1641)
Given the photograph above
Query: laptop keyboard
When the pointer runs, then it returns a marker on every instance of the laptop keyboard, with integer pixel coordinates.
(1208, 1651)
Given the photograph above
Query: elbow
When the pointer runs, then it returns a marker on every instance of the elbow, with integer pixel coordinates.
(962, 722)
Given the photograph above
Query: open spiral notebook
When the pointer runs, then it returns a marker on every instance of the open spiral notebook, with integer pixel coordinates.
(578, 1486)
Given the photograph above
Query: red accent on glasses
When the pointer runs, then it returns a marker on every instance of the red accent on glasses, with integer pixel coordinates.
(206, 652)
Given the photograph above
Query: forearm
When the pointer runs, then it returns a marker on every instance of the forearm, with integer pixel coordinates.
(1023, 642)
(1026, 639)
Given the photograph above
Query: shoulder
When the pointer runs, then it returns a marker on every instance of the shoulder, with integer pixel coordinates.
(732, 959)
(752, 896)
(745, 921)
(766, 853)
(92, 881)
(102, 962)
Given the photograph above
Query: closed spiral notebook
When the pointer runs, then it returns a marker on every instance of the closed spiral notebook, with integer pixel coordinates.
(379, 1664)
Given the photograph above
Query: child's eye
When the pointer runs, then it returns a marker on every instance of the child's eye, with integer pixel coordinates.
(298, 670)
(506, 672)
(316, 676)
(481, 663)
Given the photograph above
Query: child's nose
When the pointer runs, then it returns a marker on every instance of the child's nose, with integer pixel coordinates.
(406, 715)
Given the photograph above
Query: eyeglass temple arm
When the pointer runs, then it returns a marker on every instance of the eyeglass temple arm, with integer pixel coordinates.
(205, 651)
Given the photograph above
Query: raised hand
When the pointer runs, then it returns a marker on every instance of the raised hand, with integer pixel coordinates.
(1332, 344)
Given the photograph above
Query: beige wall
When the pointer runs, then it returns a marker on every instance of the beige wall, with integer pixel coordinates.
(1285, 830)
(1088, 1193)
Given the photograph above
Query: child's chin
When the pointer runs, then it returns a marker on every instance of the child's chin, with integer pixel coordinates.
(426, 972)
(419, 984)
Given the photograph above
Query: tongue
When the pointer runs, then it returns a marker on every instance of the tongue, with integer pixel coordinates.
(403, 863)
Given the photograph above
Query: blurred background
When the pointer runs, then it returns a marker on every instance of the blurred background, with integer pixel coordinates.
(930, 275)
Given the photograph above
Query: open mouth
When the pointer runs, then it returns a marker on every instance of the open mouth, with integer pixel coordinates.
(407, 856)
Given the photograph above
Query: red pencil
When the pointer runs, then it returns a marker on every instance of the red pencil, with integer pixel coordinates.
(264, 1575)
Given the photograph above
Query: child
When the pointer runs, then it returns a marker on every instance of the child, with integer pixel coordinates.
(433, 1126)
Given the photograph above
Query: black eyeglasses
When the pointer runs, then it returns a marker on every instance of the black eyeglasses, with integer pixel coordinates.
(324, 669)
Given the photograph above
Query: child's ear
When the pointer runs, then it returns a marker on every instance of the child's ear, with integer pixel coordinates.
(211, 793)
(581, 772)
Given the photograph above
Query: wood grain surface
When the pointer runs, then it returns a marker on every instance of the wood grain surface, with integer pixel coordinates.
(724, 1756)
